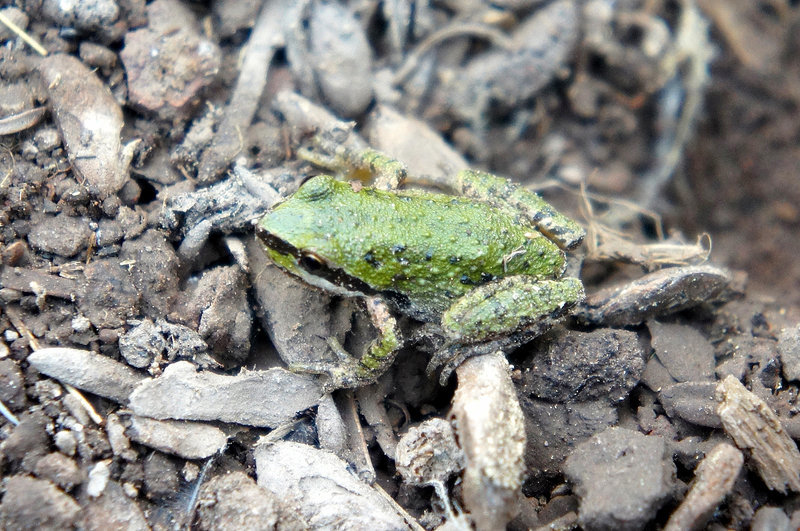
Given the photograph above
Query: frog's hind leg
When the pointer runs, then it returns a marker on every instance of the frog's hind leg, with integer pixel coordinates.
(501, 315)
(502, 193)
(350, 372)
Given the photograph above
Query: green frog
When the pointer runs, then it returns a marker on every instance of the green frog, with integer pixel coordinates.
(485, 267)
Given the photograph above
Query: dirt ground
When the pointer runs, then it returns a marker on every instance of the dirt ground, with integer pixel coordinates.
(146, 334)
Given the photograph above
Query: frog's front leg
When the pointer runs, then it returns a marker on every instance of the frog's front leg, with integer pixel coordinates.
(352, 372)
(353, 162)
(505, 312)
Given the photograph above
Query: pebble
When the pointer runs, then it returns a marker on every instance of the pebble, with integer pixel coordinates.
(581, 366)
(692, 401)
(622, 478)
(60, 470)
(30, 503)
(61, 234)
(685, 352)
(86, 16)
(233, 501)
(168, 62)
(789, 349)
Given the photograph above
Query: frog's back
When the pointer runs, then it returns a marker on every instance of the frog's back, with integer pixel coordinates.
(423, 250)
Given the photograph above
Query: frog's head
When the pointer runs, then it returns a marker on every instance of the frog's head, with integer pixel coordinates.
(300, 236)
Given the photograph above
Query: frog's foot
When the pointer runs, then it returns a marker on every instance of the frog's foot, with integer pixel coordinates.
(447, 360)
(334, 151)
(350, 372)
(341, 374)
(502, 315)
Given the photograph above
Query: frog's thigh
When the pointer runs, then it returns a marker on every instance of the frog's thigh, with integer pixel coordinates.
(501, 192)
(509, 305)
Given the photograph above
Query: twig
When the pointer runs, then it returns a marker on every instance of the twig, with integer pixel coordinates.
(410, 520)
(8, 414)
(455, 30)
(19, 324)
(96, 418)
(33, 43)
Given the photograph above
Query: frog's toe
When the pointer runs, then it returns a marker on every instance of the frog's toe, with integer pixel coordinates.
(448, 359)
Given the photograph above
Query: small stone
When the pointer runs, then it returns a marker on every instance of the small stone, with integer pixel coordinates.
(161, 477)
(622, 478)
(12, 384)
(81, 324)
(234, 501)
(692, 401)
(95, 55)
(581, 366)
(99, 475)
(30, 503)
(47, 139)
(28, 442)
(60, 470)
(83, 15)
(120, 444)
(687, 355)
(65, 442)
(220, 300)
(62, 235)
(553, 430)
(190, 471)
(168, 62)
(771, 519)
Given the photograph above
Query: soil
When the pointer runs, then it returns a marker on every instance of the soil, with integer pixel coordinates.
(145, 334)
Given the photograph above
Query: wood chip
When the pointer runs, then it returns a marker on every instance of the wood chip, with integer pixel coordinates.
(756, 428)
(713, 480)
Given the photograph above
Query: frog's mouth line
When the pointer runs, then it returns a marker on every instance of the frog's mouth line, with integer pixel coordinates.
(312, 271)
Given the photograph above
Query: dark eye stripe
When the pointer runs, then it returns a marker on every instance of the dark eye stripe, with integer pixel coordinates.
(315, 264)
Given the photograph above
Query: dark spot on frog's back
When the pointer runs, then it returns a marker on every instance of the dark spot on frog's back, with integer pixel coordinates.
(369, 258)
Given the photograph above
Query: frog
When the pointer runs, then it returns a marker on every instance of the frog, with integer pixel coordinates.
(482, 264)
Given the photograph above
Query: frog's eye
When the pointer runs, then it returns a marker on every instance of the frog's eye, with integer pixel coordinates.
(311, 262)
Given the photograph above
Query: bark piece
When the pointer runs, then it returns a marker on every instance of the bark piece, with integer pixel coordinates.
(756, 428)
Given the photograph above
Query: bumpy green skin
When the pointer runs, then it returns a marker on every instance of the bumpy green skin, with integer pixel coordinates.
(502, 193)
(512, 303)
(428, 249)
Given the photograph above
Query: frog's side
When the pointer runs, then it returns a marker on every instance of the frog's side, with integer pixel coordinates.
(480, 271)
